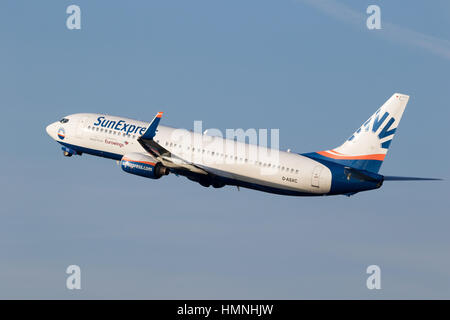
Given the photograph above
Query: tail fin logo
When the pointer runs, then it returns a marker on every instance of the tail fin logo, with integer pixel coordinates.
(375, 123)
(368, 146)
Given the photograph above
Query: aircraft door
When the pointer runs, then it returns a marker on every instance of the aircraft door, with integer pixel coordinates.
(81, 126)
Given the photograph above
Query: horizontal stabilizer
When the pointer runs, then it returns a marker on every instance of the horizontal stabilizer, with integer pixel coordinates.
(394, 178)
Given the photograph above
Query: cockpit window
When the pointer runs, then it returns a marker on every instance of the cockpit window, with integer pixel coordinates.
(64, 120)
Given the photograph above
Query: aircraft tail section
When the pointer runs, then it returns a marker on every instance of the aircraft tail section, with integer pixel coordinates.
(366, 149)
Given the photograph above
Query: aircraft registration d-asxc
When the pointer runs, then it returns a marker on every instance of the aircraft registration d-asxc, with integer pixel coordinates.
(152, 150)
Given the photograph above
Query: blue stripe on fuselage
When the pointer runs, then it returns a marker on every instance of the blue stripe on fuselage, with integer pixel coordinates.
(342, 182)
(93, 152)
(228, 181)
(368, 165)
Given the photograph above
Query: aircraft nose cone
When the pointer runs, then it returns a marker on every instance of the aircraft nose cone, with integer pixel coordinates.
(51, 131)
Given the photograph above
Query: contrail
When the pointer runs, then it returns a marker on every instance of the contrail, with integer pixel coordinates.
(390, 31)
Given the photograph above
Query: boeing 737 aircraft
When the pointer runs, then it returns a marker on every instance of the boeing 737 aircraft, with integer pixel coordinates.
(151, 150)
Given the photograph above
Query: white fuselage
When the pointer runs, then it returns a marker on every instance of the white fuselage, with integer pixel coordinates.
(236, 161)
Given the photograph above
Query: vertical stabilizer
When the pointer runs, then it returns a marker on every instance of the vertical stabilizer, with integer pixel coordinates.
(366, 149)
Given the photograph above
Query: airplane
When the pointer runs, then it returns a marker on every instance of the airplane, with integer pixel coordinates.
(151, 150)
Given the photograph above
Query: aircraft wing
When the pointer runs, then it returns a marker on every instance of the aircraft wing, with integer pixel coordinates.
(162, 154)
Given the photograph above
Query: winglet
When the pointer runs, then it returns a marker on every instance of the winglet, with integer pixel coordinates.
(151, 130)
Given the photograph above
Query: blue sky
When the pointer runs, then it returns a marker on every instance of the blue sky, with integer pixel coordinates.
(310, 68)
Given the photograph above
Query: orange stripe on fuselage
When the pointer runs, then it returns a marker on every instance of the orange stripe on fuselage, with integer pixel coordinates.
(343, 157)
(144, 162)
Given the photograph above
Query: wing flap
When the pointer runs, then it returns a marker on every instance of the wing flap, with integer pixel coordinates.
(162, 154)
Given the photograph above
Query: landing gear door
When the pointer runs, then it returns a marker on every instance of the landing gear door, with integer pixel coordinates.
(315, 178)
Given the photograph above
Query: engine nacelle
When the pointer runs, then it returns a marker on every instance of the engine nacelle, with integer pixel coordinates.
(143, 165)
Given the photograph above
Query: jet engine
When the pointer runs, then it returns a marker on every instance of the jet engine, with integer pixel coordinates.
(143, 165)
